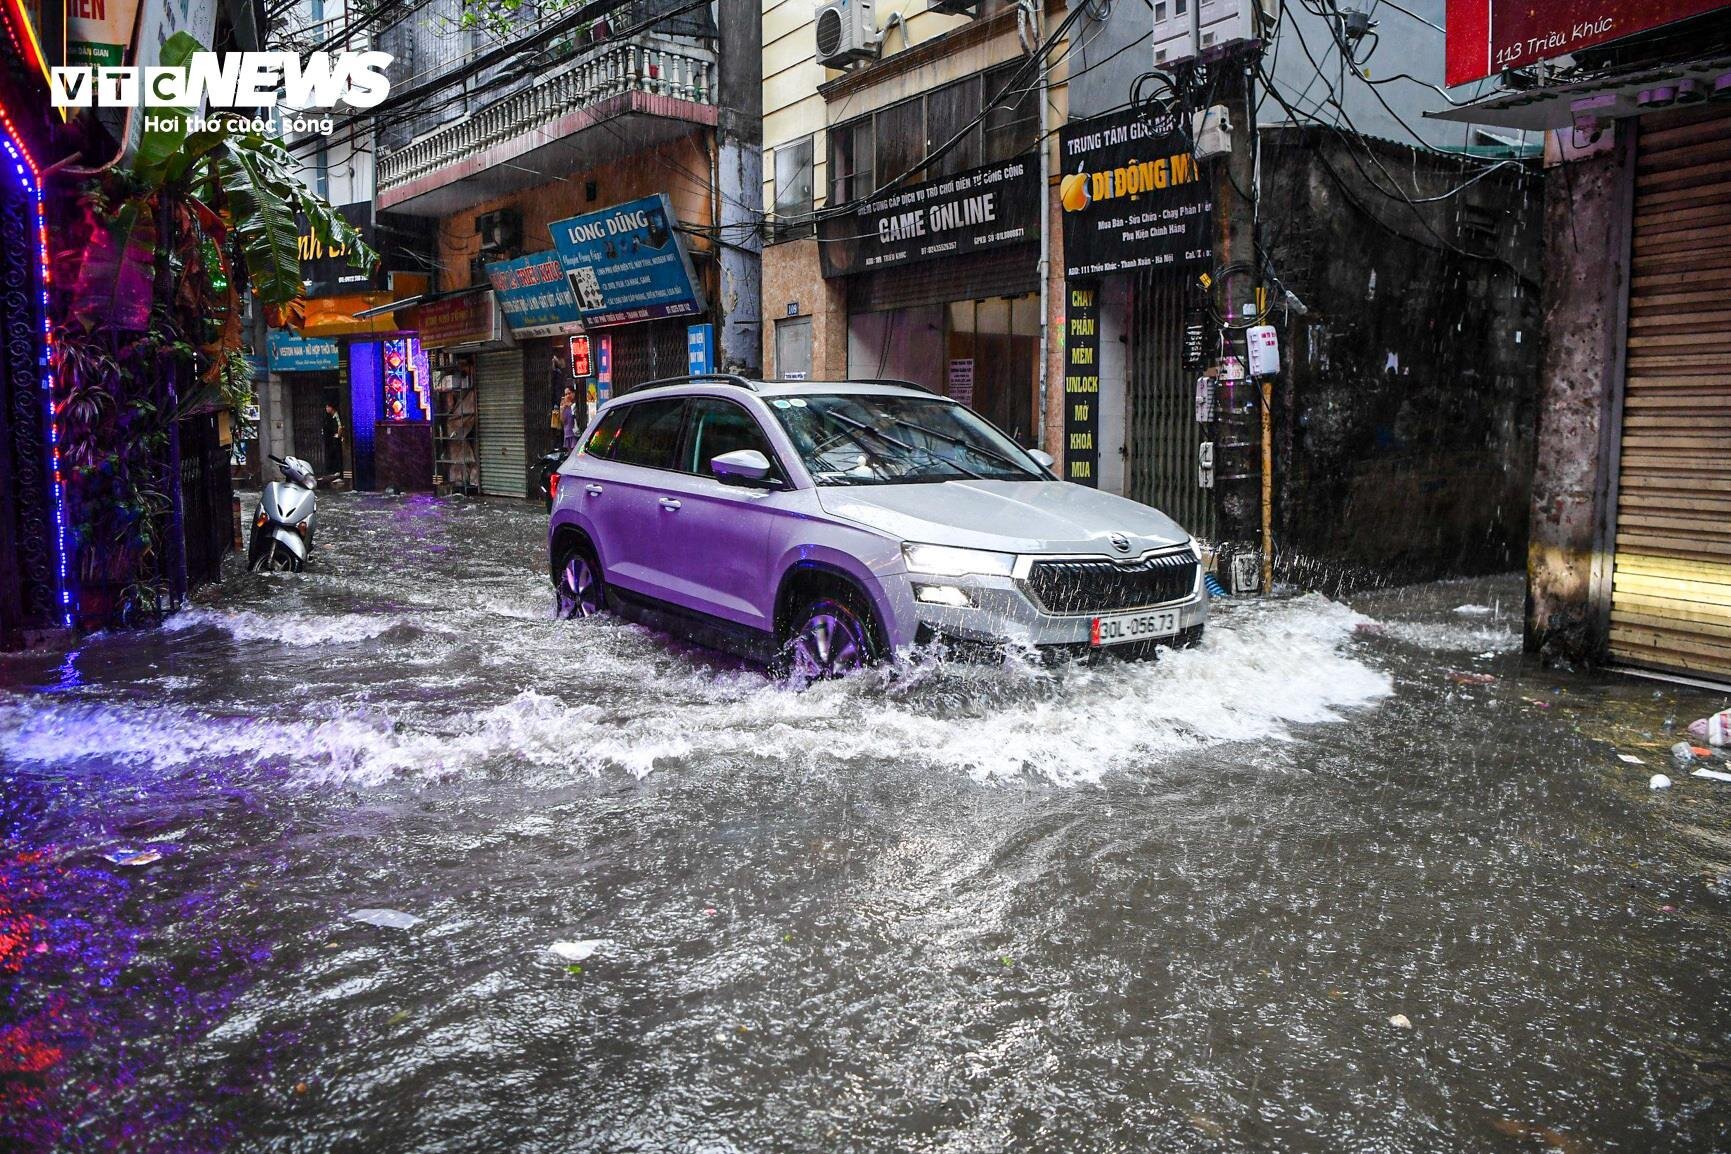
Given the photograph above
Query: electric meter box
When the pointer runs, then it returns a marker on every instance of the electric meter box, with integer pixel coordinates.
(1264, 350)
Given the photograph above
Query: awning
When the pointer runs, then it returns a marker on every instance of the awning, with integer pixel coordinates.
(1603, 98)
(361, 314)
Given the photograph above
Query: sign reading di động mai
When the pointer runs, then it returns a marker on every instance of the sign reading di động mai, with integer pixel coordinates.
(1134, 197)
(627, 263)
(979, 209)
(535, 296)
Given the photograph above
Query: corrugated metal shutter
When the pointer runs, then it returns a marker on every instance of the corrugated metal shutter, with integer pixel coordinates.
(499, 433)
(1163, 433)
(1671, 580)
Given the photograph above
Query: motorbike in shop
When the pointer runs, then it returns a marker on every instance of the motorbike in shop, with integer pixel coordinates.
(282, 530)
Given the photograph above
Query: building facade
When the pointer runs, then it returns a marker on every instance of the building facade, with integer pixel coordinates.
(1630, 558)
(908, 203)
(583, 179)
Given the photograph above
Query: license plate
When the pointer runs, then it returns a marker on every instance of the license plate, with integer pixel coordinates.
(1122, 628)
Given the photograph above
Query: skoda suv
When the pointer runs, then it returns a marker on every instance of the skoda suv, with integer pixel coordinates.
(824, 526)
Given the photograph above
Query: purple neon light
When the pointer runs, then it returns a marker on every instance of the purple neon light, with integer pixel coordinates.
(30, 179)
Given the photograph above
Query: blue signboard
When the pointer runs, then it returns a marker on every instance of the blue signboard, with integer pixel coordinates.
(535, 296)
(700, 349)
(291, 353)
(627, 263)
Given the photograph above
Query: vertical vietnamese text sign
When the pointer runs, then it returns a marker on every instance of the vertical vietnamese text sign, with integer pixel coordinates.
(1082, 384)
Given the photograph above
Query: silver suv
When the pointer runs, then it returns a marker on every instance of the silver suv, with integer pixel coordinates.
(823, 526)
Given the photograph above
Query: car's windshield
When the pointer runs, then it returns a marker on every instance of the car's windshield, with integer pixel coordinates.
(854, 439)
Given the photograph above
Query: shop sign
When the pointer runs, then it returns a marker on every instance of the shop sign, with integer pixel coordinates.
(1082, 384)
(983, 208)
(1134, 197)
(627, 264)
(98, 32)
(325, 269)
(581, 363)
(535, 296)
(700, 349)
(1487, 36)
(288, 352)
(469, 319)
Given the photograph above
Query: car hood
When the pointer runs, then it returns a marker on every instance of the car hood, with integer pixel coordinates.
(1008, 516)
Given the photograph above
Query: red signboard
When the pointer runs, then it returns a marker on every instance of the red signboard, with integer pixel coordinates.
(580, 366)
(469, 319)
(1487, 36)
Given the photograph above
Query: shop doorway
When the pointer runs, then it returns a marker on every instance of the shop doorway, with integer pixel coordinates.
(1163, 431)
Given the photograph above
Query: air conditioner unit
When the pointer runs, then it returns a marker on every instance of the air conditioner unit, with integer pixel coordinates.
(846, 32)
(500, 231)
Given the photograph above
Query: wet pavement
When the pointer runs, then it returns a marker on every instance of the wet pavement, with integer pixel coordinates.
(1128, 907)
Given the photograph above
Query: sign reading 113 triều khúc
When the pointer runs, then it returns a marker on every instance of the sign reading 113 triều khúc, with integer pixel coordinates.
(628, 263)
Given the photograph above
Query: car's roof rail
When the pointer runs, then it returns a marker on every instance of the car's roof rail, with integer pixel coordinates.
(895, 382)
(721, 378)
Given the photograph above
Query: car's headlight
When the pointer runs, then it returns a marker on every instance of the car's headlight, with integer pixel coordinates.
(947, 561)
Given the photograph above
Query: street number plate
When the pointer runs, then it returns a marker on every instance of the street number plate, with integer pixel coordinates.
(1122, 628)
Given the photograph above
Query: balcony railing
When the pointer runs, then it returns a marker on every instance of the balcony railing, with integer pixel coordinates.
(645, 65)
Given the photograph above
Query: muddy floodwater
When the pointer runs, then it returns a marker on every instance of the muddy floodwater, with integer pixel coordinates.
(1295, 890)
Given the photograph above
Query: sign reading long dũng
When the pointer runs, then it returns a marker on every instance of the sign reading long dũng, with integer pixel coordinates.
(628, 263)
(1134, 197)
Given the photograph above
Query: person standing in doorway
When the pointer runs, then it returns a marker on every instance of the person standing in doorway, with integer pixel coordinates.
(568, 418)
(333, 441)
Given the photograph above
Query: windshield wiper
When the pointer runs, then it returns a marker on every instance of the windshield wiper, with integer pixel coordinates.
(903, 445)
(961, 443)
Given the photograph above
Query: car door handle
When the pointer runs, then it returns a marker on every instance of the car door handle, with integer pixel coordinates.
(592, 490)
(670, 504)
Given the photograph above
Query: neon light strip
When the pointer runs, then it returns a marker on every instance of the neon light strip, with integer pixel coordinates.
(24, 37)
(30, 179)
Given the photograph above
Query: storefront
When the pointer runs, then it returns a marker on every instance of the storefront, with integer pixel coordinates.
(541, 311)
(943, 287)
(308, 370)
(1137, 234)
(474, 433)
(630, 274)
(1670, 597)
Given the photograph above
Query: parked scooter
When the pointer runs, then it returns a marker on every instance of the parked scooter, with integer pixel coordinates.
(282, 530)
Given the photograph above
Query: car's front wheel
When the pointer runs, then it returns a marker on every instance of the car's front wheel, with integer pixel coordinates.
(579, 589)
(828, 637)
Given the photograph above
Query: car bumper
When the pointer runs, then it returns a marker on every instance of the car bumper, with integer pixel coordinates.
(1001, 613)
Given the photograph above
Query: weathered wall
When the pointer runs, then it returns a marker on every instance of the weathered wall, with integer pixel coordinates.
(1585, 224)
(1405, 414)
(792, 277)
(680, 168)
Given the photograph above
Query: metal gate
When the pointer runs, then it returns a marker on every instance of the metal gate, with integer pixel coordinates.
(499, 433)
(1671, 575)
(649, 351)
(1162, 430)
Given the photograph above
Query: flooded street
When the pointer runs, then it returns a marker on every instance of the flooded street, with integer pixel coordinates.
(1127, 907)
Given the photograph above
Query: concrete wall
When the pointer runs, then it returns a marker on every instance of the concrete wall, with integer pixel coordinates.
(1405, 413)
(1586, 221)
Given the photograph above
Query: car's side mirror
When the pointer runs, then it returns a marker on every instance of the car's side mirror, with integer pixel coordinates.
(743, 467)
(1042, 458)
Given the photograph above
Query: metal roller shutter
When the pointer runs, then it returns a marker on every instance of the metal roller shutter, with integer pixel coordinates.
(499, 432)
(1671, 578)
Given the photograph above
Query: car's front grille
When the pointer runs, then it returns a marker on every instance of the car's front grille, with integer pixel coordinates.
(1106, 586)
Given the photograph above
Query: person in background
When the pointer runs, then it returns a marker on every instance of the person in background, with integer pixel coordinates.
(568, 418)
(333, 431)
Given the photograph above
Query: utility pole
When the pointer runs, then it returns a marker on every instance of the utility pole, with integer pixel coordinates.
(1244, 465)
